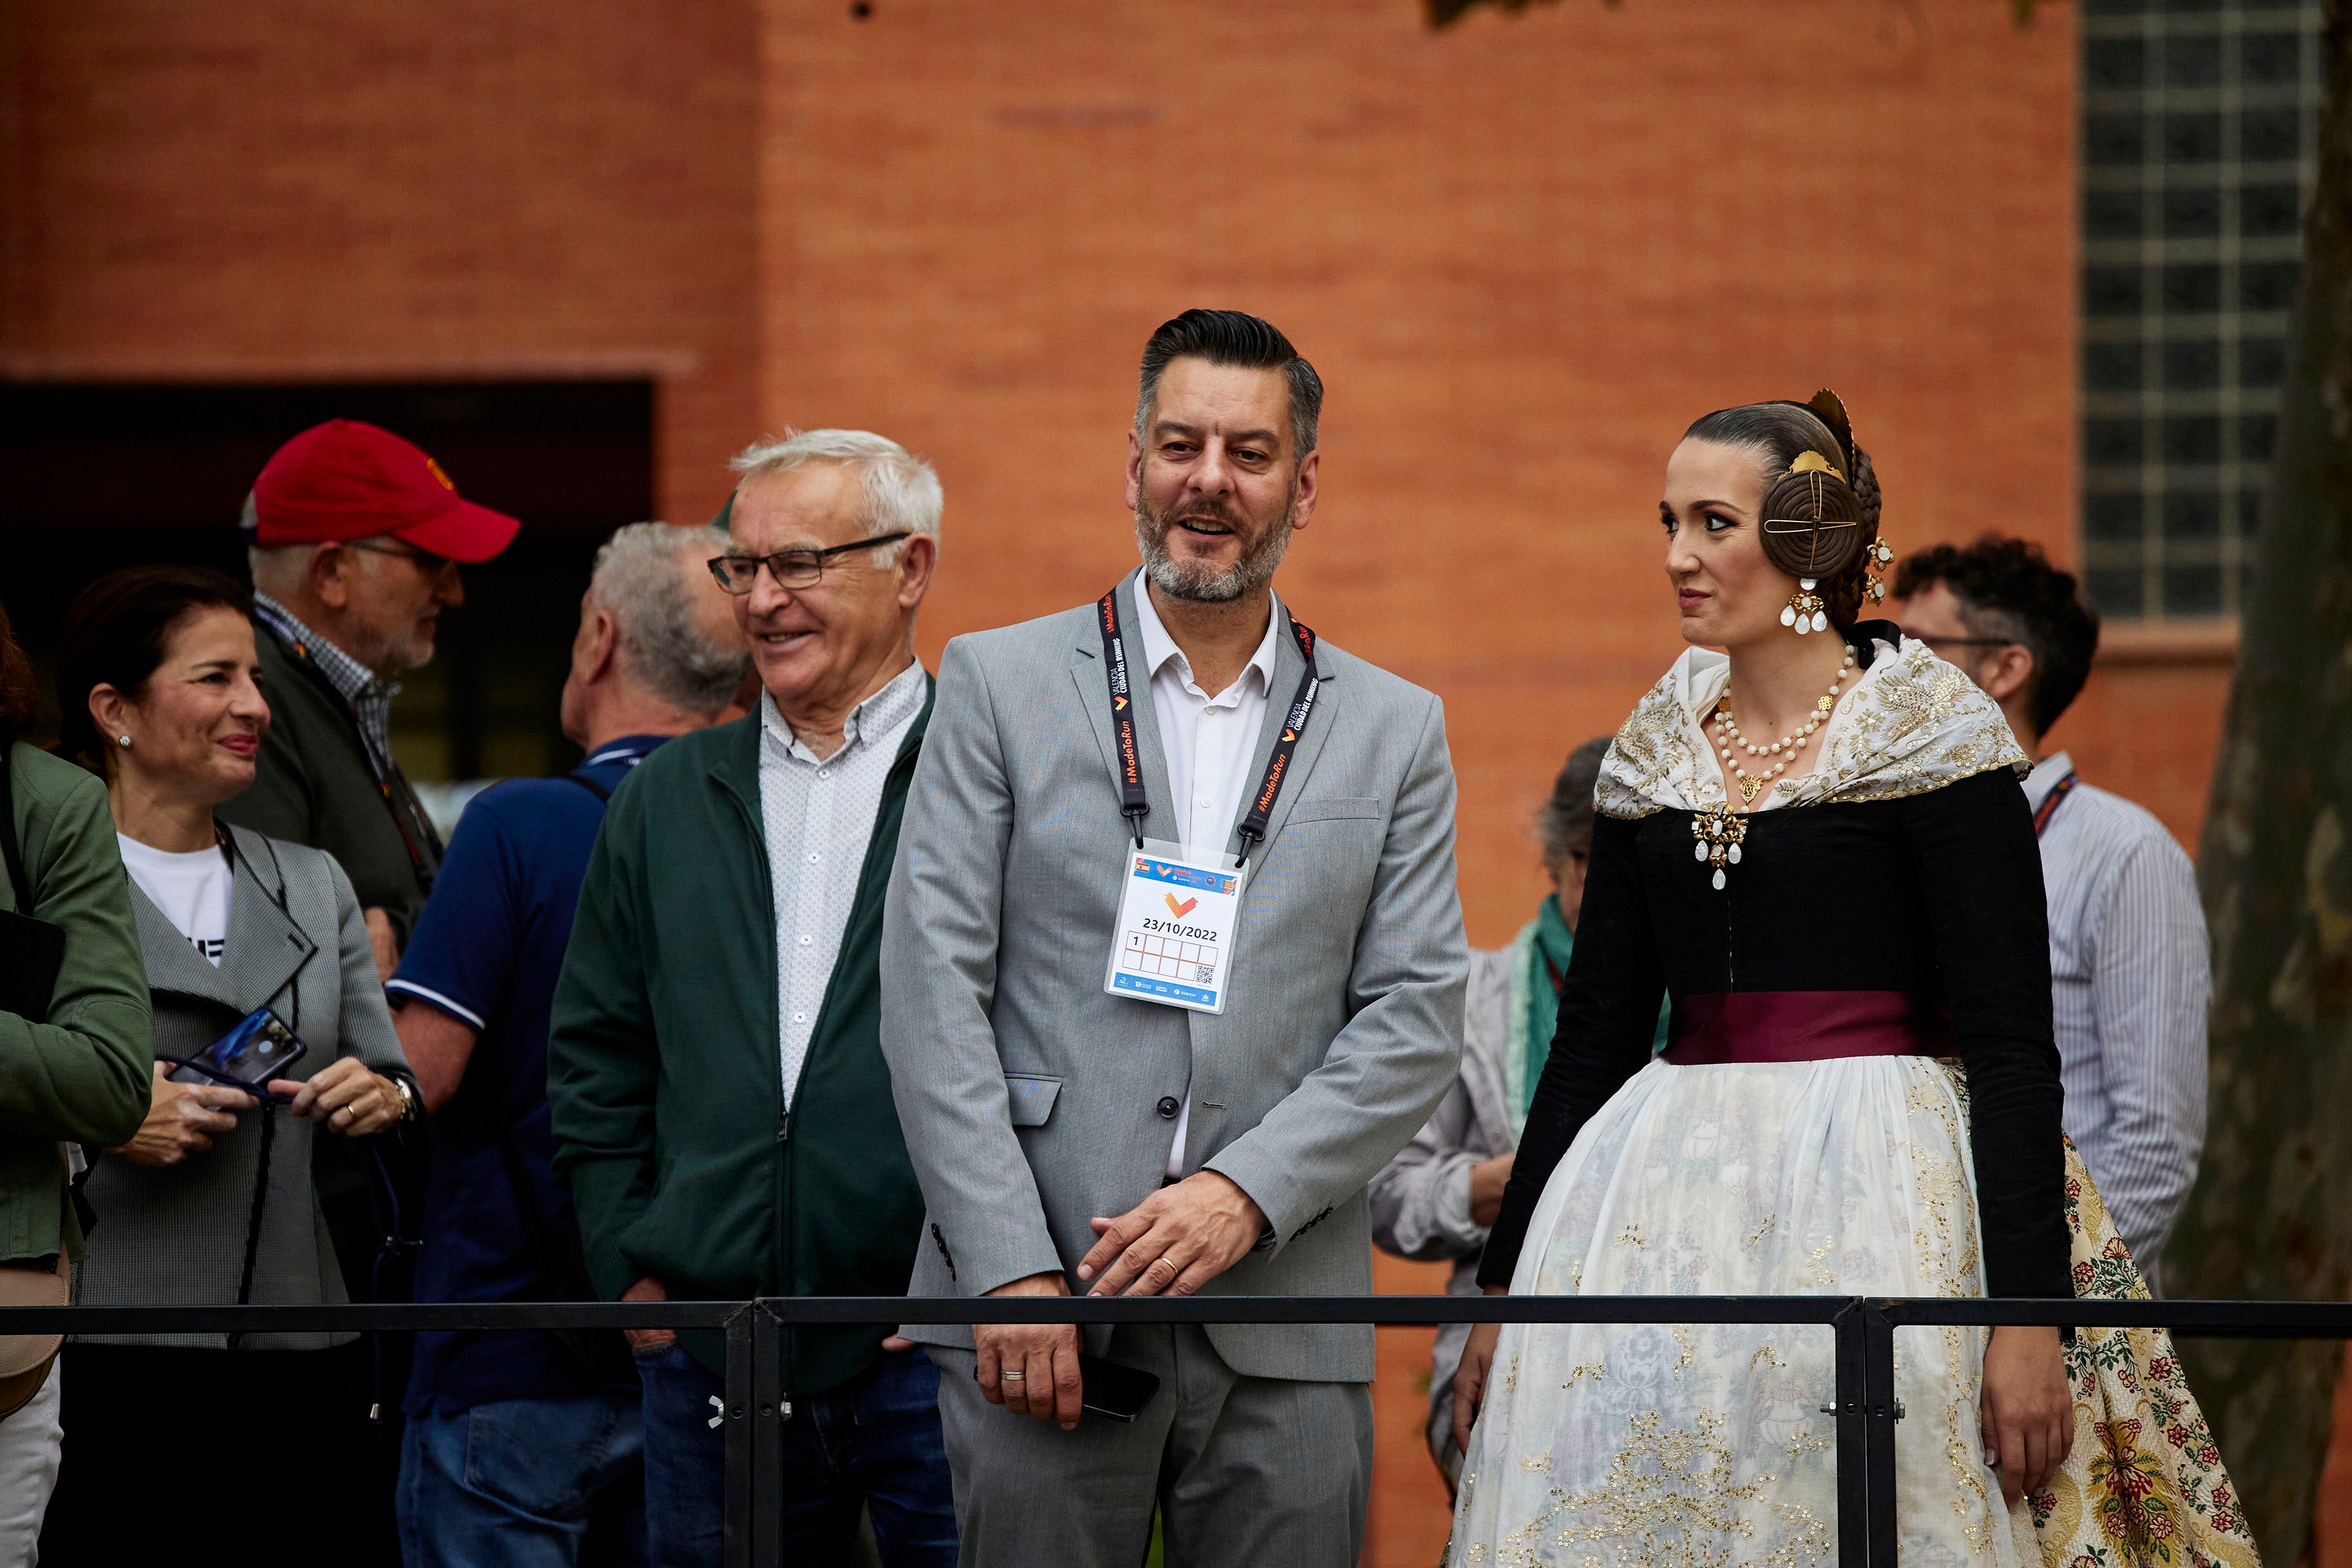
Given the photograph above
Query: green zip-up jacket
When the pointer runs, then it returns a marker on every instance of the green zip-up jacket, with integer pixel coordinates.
(82, 1074)
(662, 1065)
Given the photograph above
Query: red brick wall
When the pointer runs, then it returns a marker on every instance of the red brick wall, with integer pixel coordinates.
(274, 190)
(1524, 253)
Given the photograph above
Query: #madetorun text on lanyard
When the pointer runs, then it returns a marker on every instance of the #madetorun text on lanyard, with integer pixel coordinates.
(1181, 955)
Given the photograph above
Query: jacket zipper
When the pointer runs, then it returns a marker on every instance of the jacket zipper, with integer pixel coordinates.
(783, 1105)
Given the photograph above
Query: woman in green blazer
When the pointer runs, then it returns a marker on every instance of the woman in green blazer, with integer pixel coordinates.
(75, 1074)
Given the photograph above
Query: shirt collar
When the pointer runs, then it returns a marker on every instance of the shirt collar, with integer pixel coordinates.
(1158, 647)
(2046, 776)
(879, 715)
(627, 750)
(352, 679)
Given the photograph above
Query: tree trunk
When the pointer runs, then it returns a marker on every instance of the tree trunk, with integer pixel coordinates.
(2269, 1216)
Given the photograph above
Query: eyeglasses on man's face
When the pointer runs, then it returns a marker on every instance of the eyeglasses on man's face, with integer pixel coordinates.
(790, 568)
(425, 561)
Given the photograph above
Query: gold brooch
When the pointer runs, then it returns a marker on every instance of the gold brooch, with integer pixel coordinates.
(1719, 832)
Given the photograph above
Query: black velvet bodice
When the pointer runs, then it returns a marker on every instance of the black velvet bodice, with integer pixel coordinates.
(1938, 894)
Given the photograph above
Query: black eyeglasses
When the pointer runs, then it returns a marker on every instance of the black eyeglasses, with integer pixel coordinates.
(790, 568)
(425, 561)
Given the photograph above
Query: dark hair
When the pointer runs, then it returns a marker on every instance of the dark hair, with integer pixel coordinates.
(1565, 824)
(20, 694)
(2008, 588)
(1780, 433)
(116, 631)
(1233, 338)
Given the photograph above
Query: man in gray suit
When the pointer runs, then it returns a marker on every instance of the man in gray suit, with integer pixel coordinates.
(1103, 1094)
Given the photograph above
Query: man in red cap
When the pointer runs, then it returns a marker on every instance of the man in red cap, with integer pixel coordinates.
(356, 537)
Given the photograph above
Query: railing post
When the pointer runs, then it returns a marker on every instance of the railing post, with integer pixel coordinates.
(736, 1551)
(767, 1434)
(1853, 1469)
(1878, 1424)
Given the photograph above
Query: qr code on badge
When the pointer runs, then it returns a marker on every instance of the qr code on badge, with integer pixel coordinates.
(1204, 973)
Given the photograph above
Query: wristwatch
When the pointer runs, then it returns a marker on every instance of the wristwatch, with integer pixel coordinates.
(409, 1109)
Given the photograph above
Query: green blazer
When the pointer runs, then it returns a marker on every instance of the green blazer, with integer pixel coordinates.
(82, 1074)
(663, 1071)
(315, 786)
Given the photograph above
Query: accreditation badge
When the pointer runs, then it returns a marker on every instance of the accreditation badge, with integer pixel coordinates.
(1177, 920)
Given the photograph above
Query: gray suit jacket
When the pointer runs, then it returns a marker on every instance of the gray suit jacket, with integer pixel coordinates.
(176, 1235)
(1030, 1098)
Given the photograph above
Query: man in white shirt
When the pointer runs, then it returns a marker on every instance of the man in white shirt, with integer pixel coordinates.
(1177, 965)
(721, 1107)
(2130, 970)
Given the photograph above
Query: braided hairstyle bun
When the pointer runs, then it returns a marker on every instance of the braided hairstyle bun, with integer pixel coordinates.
(1814, 474)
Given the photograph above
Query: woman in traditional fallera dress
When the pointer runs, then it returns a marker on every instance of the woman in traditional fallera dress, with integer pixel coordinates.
(1817, 848)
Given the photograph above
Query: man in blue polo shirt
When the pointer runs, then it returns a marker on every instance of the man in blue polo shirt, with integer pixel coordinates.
(526, 1449)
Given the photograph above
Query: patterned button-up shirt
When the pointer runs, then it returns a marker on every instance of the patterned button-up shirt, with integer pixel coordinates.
(371, 698)
(818, 813)
(2131, 976)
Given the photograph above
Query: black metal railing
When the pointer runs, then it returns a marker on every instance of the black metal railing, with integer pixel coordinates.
(1862, 1399)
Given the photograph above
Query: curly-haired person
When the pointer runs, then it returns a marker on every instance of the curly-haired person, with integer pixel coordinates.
(2129, 966)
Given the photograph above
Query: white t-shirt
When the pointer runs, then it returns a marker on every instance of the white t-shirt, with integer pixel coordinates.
(192, 890)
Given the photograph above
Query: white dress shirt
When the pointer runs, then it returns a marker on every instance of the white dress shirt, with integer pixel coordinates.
(2131, 976)
(1209, 742)
(818, 814)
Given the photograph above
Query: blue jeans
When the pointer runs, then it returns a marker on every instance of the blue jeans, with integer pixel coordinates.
(874, 1441)
(525, 1483)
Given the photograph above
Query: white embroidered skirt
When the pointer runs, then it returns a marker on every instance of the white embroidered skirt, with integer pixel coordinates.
(1705, 1444)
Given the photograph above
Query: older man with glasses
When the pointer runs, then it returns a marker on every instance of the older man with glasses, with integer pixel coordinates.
(722, 1111)
(354, 537)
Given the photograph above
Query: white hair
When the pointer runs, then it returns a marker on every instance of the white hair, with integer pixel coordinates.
(647, 576)
(902, 492)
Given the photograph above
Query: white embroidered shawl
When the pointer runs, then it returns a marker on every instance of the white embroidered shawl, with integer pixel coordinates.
(1911, 724)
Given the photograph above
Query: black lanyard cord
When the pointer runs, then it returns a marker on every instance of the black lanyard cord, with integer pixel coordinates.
(2050, 803)
(1135, 805)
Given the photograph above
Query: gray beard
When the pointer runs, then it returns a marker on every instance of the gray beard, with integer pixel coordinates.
(1198, 586)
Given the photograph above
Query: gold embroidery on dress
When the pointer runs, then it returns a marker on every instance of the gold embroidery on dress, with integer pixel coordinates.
(1632, 1236)
(1762, 1231)
(1688, 1346)
(1669, 1498)
(1584, 1369)
(1912, 724)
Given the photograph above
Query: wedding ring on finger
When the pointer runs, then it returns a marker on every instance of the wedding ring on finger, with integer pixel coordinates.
(1011, 1377)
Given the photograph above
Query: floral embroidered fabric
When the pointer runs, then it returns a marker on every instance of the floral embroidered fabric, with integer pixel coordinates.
(1639, 1446)
(1912, 723)
(2144, 1483)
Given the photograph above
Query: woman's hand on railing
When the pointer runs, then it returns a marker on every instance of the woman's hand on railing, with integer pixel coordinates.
(1470, 1377)
(2029, 1408)
(346, 1097)
(179, 1118)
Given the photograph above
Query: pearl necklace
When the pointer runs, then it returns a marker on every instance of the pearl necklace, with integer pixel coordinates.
(1727, 735)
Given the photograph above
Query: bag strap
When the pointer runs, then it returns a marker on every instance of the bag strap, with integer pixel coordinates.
(18, 880)
(591, 785)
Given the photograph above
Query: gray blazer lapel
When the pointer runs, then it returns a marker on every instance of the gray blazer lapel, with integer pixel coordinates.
(1094, 698)
(1289, 664)
(265, 949)
(172, 961)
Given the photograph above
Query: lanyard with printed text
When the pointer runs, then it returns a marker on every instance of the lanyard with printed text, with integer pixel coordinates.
(1134, 804)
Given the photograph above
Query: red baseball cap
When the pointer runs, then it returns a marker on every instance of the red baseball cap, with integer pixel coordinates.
(346, 479)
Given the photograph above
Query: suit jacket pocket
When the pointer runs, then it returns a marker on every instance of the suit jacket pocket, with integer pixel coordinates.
(1033, 1097)
(1316, 808)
